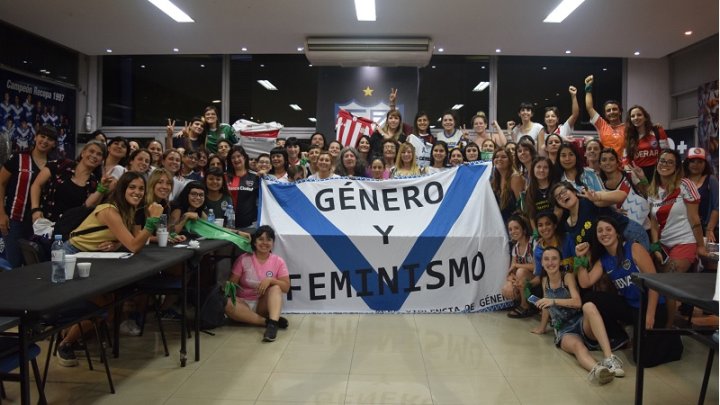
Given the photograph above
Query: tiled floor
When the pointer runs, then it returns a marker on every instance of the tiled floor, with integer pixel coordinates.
(371, 359)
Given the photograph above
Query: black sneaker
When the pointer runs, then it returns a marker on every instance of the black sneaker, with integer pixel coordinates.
(282, 322)
(270, 331)
(66, 356)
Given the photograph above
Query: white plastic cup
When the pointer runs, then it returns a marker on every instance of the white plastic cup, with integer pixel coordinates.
(70, 261)
(219, 221)
(84, 269)
(162, 237)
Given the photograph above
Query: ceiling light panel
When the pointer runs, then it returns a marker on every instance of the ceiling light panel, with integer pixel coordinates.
(365, 10)
(563, 10)
(267, 84)
(167, 7)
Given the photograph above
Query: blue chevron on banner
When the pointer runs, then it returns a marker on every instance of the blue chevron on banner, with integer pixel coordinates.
(367, 246)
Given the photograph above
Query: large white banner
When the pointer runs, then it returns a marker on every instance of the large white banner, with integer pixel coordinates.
(427, 244)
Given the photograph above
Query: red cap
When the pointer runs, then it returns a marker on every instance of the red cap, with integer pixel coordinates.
(696, 153)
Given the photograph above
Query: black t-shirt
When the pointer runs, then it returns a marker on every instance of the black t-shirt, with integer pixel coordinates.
(244, 192)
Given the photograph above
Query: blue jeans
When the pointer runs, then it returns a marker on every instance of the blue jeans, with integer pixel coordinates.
(70, 249)
(17, 230)
(635, 232)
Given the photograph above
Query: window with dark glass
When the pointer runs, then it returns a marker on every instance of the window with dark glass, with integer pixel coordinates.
(32, 54)
(293, 77)
(544, 82)
(455, 81)
(147, 90)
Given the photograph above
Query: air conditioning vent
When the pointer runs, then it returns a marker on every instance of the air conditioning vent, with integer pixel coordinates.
(349, 51)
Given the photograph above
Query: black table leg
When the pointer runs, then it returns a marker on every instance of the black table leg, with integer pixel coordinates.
(706, 377)
(640, 373)
(183, 321)
(197, 311)
(23, 336)
(117, 314)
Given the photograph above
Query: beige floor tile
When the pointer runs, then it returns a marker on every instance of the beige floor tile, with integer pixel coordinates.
(241, 384)
(387, 363)
(471, 390)
(257, 357)
(328, 361)
(305, 387)
(386, 321)
(436, 341)
(548, 388)
(388, 341)
(388, 389)
(114, 399)
(461, 361)
(446, 324)
(205, 401)
(149, 381)
(542, 363)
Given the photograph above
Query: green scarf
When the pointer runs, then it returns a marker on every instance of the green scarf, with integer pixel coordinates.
(209, 230)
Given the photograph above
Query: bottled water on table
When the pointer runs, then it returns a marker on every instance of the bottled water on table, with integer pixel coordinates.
(57, 253)
(211, 216)
(229, 217)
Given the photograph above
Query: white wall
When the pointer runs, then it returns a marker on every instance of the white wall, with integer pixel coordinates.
(648, 85)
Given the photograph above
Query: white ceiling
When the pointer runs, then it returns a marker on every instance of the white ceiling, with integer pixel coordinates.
(603, 28)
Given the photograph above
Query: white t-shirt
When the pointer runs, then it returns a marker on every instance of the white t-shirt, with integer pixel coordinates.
(671, 213)
(533, 132)
(117, 172)
(423, 150)
(315, 177)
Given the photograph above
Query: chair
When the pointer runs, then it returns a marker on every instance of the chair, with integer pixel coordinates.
(33, 253)
(10, 359)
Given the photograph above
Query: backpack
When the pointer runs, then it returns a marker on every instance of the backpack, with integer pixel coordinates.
(71, 220)
(212, 311)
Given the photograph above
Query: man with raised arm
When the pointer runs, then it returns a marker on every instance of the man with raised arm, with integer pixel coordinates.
(611, 129)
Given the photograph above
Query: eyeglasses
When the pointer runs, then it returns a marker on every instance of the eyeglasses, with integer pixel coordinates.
(197, 195)
(666, 162)
(190, 157)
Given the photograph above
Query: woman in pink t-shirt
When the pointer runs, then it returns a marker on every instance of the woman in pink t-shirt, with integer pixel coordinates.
(263, 278)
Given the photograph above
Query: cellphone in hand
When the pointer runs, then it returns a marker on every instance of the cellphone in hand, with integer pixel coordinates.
(533, 299)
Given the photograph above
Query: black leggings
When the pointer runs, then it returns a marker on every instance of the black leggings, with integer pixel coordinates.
(616, 313)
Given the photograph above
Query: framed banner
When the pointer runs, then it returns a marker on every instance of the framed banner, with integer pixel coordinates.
(434, 243)
(28, 103)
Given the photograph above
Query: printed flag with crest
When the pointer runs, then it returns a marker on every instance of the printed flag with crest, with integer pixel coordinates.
(350, 128)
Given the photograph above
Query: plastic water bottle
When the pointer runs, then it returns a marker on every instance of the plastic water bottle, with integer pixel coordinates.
(230, 217)
(57, 252)
(211, 216)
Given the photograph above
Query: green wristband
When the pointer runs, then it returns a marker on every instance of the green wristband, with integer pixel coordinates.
(588, 88)
(643, 181)
(655, 247)
(151, 224)
(101, 189)
(580, 261)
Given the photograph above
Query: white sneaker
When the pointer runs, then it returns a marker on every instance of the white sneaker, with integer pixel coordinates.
(128, 327)
(614, 364)
(600, 375)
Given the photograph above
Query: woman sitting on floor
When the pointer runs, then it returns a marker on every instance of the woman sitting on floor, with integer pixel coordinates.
(262, 278)
(576, 325)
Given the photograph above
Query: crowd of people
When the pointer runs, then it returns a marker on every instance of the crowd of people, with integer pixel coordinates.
(582, 213)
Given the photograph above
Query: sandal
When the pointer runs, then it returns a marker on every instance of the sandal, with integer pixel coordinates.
(519, 312)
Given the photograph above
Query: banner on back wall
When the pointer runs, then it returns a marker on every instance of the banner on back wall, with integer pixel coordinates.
(425, 244)
(27, 104)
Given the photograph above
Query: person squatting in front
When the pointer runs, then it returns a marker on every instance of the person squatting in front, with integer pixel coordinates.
(261, 278)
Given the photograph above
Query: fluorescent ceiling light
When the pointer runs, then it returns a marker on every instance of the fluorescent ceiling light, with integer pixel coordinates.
(481, 86)
(562, 11)
(312, 119)
(167, 7)
(457, 106)
(365, 10)
(267, 84)
(295, 107)
(217, 101)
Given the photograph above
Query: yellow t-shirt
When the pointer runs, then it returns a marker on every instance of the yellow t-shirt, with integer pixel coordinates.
(89, 242)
